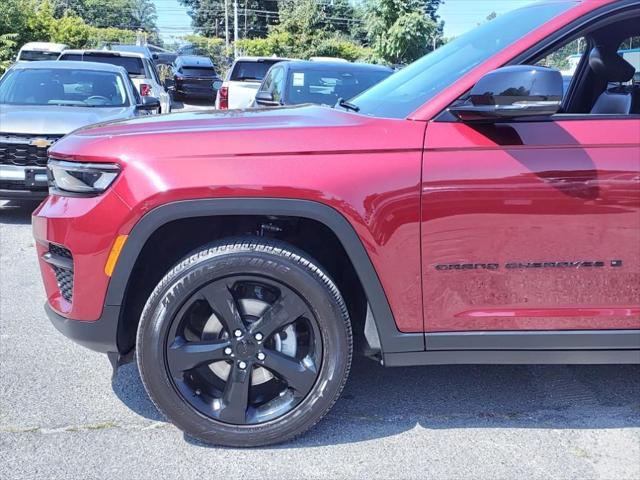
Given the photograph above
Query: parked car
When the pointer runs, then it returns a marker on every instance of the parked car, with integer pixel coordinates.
(322, 83)
(461, 211)
(42, 101)
(39, 51)
(195, 77)
(141, 70)
(243, 80)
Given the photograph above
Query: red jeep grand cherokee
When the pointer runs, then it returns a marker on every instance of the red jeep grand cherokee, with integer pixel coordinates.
(479, 206)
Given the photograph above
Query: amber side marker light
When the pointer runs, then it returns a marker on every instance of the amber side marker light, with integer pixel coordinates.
(114, 254)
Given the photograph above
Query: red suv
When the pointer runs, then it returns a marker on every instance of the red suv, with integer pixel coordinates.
(481, 205)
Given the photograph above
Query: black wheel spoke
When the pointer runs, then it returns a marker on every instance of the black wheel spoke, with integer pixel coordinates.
(222, 302)
(287, 309)
(298, 375)
(183, 356)
(235, 398)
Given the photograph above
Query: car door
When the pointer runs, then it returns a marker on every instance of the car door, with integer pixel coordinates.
(532, 225)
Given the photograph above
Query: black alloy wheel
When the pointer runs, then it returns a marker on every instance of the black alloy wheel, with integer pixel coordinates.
(245, 342)
(244, 349)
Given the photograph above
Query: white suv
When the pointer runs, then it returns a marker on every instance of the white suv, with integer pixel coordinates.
(141, 70)
(243, 80)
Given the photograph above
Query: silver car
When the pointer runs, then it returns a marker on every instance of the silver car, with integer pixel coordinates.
(42, 101)
(141, 70)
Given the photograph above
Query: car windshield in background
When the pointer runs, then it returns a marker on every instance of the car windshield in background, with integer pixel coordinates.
(76, 88)
(326, 87)
(36, 55)
(133, 65)
(198, 71)
(251, 70)
(405, 91)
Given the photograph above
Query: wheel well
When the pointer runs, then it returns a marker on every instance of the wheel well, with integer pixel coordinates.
(174, 240)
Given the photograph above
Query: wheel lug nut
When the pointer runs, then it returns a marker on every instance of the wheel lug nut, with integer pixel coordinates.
(258, 336)
(261, 356)
(238, 333)
(227, 351)
(242, 365)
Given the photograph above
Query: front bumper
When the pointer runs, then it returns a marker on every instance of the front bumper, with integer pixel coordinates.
(100, 335)
(23, 182)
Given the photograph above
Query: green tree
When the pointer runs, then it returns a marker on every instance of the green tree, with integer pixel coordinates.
(7, 49)
(400, 31)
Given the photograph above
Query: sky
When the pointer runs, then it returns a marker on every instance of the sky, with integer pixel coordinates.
(458, 15)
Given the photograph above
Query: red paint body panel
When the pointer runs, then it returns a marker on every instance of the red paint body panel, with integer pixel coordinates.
(367, 169)
(562, 191)
(531, 192)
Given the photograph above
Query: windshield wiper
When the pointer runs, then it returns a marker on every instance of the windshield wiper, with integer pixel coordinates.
(348, 106)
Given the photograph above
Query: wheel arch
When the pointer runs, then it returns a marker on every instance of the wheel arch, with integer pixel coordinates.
(390, 339)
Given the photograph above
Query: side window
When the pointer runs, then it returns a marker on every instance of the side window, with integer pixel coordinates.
(566, 59)
(268, 80)
(277, 86)
(629, 49)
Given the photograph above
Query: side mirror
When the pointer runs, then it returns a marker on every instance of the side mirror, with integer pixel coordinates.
(217, 85)
(266, 99)
(155, 56)
(149, 103)
(512, 92)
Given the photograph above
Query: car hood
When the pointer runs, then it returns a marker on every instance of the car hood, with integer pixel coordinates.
(234, 133)
(55, 120)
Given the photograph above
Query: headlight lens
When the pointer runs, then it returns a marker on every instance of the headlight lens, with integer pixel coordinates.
(80, 178)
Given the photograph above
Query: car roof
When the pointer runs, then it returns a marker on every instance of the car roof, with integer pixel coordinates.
(194, 61)
(261, 59)
(342, 66)
(139, 49)
(49, 46)
(104, 53)
(69, 65)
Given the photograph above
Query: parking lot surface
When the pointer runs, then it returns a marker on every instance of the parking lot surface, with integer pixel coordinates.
(62, 417)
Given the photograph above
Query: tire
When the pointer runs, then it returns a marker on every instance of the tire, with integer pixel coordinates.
(258, 284)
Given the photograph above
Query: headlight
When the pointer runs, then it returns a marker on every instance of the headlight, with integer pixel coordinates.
(80, 178)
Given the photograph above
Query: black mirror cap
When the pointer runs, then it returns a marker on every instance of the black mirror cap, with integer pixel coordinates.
(266, 99)
(512, 92)
(149, 103)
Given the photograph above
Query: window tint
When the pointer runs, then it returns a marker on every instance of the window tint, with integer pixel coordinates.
(34, 55)
(251, 70)
(132, 65)
(411, 87)
(566, 59)
(629, 49)
(277, 85)
(76, 57)
(80, 88)
(198, 71)
(326, 87)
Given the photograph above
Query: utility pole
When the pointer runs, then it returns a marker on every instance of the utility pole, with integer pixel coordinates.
(235, 28)
(226, 25)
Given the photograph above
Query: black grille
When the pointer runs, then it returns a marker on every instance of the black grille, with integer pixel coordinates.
(64, 276)
(17, 150)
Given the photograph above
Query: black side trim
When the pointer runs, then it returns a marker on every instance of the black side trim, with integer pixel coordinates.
(99, 335)
(514, 357)
(535, 340)
(392, 340)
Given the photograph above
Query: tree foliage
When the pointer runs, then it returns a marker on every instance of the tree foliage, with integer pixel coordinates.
(401, 31)
(23, 21)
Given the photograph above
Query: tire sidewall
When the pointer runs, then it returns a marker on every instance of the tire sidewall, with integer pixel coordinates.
(307, 281)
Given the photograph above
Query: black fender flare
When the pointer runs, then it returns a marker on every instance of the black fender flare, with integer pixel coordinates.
(391, 339)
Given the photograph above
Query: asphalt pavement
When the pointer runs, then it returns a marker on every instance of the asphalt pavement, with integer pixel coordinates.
(61, 417)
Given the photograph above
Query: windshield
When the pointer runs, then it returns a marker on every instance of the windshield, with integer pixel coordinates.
(36, 55)
(326, 87)
(408, 89)
(133, 65)
(247, 70)
(77, 88)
